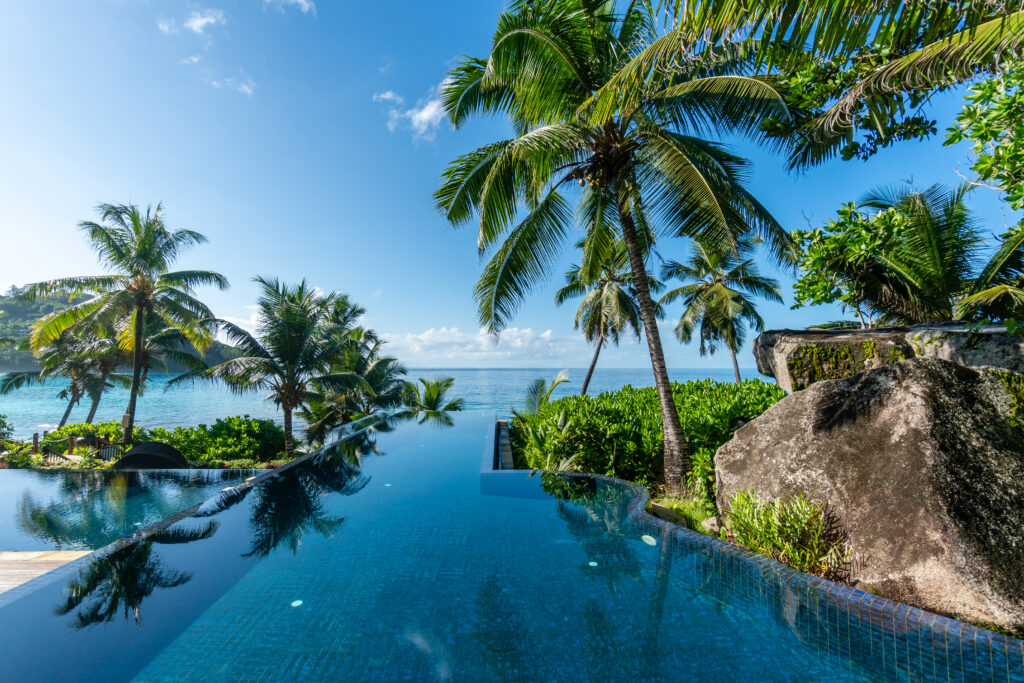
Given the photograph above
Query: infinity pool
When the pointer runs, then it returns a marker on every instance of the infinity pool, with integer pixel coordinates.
(399, 556)
(86, 510)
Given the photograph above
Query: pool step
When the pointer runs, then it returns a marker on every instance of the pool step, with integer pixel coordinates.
(17, 568)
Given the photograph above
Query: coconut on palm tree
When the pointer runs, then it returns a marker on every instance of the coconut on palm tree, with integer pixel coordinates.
(139, 249)
(299, 336)
(634, 165)
(718, 294)
(609, 307)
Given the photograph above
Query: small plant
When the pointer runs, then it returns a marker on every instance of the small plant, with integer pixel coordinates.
(6, 428)
(795, 531)
(692, 510)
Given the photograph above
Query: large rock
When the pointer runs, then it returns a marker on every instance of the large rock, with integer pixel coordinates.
(922, 461)
(799, 358)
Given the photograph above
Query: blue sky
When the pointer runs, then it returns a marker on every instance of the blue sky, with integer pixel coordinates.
(304, 138)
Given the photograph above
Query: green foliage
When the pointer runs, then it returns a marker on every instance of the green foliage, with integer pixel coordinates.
(20, 457)
(228, 439)
(993, 121)
(692, 510)
(6, 428)
(794, 531)
(434, 398)
(837, 259)
(111, 431)
(619, 433)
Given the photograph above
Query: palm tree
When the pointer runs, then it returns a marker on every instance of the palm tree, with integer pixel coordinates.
(649, 159)
(66, 357)
(383, 389)
(609, 306)
(139, 248)
(897, 53)
(300, 334)
(997, 291)
(717, 295)
(433, 398)
(539, 392)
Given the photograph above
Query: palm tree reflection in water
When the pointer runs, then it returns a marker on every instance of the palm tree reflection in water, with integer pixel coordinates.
(120, 582)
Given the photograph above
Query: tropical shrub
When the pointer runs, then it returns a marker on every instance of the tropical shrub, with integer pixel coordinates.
(228, 439)
(793, 530)
(619, 433)
(111, 431)
(6, 428)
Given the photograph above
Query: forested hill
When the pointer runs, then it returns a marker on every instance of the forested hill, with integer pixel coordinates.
(20, 314)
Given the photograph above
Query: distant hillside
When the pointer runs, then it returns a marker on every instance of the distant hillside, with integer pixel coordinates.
(20, 315)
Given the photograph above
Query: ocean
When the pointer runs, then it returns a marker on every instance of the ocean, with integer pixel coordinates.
(37, 408)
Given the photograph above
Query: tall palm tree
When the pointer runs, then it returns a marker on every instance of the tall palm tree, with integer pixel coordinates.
(718, 296)
(139, 249)
(609, 306)
(647, 160)
(299, 336)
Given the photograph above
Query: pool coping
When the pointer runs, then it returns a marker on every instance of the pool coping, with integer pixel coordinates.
(17, 592)
(854, 600)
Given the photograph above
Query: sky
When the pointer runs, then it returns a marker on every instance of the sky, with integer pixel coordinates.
(304, 138)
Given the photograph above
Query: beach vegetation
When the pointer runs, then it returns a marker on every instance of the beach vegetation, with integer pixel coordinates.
(618, 433)
(430, 398)
(718, 293)
(626, 163)
(609, 308)
(539, 392)
(300, 334)
(793, 530)
(138, 250)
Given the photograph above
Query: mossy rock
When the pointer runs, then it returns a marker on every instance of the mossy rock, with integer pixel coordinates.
(814, 362)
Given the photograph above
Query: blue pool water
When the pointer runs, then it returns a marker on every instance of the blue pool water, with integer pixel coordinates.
(36, 408)
(396, 557)
(86, 510)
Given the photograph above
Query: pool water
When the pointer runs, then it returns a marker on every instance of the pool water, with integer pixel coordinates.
(86, 510)
(395, 556)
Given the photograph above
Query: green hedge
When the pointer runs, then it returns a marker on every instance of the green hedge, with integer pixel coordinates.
(227, 439)
(619, 433)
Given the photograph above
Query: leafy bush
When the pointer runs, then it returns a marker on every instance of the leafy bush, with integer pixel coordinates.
(619, 433)
(692, 510)
(228, 439)
(19, 456)
(111, 431)
(794, 531)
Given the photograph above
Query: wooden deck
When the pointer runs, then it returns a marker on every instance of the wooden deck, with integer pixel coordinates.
(18, 568)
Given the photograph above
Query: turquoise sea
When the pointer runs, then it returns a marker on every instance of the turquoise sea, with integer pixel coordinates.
(37, 408)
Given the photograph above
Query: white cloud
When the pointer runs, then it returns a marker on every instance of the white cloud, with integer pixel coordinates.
(388, 96)
(190, 60)
(200, 20)
(305, 6)
(450, 347)
(166, 26)
(423, 120)
(245, 86)
(248, 323)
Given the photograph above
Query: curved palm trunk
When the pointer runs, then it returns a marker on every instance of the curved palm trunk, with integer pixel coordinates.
(675, 440)
(136, 373)
(735, 365)
(593, 364)
(72, 400)
(96, 398)
(289, 445)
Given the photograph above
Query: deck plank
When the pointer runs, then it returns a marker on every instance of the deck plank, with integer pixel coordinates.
(17, 568)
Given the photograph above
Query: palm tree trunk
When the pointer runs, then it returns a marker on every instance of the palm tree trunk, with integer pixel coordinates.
(289, 445)
(593, 364)
(97, 397)
(675, 440)
(72, 400)
(735, 365)
(136, 372)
